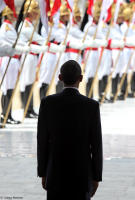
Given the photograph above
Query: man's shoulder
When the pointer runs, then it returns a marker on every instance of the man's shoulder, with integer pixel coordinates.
(57, 97)
(89, 101)
(50, 98)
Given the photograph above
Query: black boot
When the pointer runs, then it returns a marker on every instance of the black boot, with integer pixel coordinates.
(1, 121)
(27, 93)
(30, 111)
(101, 88)
(115, 82)
(132, 86)
(88, 86)
(3, 110)
(23, 99)
(59, 86)
(5, 102)
(123, 89)
(43, 90)
(105, 79)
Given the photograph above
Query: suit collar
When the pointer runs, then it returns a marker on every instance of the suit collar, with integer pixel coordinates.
(70, 91)
(71, 88)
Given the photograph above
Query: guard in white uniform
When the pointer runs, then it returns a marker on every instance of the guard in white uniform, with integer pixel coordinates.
(106, 61)
(8, 34)
(94, 52)
(132, 92)
(60, 36)
(127, 50)
(29, 69)
(75, 38)
(116, 35)
(49, 60)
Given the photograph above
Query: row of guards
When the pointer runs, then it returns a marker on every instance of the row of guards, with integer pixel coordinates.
(102, 40)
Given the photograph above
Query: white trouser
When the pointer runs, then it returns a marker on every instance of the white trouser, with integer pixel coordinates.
(119, 65)
(47, 68)
(11, 74)
(126, 56)
(133, 63)
(106, 64)
(91, 64)
(73, 56)
(62, 61)
(29, 71)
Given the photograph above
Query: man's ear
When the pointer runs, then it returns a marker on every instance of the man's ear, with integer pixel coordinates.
(60, 77)
(81, 78)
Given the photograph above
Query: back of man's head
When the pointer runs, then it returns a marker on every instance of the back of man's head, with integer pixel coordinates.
(70, 72)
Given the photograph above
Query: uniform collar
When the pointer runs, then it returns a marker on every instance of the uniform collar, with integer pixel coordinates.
(7, 21)
(74, 22)
(62, 22)
(94, 22)
(28, 20)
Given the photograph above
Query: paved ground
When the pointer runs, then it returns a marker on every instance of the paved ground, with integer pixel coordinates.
(18, 177)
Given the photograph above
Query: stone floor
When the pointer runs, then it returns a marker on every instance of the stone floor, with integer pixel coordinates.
(18, 176)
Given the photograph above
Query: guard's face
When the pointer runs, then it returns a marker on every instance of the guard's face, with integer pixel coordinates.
(50, 19)
(65, 19)
(120, 20)
(35, 16)
(96, 18)
(77, 19)
(11, 18)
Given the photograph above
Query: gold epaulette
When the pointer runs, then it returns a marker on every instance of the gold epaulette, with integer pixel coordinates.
(59, 25)
(26, 24)
(103, 25)
(133, 27)
(7, 28)
(50, 24)
(73, 25)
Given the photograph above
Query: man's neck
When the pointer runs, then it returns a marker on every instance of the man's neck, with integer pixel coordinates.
(76, 86)
(70, 87)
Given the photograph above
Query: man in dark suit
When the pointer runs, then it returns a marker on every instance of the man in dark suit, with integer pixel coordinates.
(69, 140)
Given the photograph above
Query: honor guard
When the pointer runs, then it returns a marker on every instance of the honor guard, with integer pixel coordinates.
(117, 35)
(48, 63)
(29, 68)
(127, 14)
(131, 93)
(92, 59)
(49, 59)
(8, 35)
(75, 37)
(106, 61)
(60, 37)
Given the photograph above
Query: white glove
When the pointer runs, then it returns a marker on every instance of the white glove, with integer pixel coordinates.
(100, 43)
(96, 43)
(22, 49)
(76, 44)
(130, 42)
(62, 48)
(117, 44)
(38, 49)
(57, 48)
(88, 43)
(6, 49)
